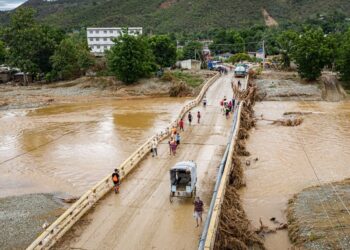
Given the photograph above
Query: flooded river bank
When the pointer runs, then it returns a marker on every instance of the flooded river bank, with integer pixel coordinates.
(67, 148)
(290, 159)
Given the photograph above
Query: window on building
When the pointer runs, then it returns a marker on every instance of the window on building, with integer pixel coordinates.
(97, 39)
(98, 46)
(90, 31)
(91, 39)
(106, 47)
(105, 31)
(105, 39)
(97, 31)
(111, 31)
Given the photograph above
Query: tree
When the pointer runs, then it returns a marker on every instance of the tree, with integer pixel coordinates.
(2, 52)
(228, 41)
(71, 59)
(192, 50)
(310, 53)
(164, 50)
(30, 45)
(130, 58)
(286, 42)
(343, 57)
(240, 57)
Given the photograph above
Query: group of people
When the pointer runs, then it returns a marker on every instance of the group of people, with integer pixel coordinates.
(190, 118)
(175, 138)
(227, 106)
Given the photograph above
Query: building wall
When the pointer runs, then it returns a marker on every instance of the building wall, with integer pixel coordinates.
(190, 64)
(101, 39)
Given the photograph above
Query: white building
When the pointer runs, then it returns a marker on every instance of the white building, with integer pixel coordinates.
(101, 39)
(189, 64)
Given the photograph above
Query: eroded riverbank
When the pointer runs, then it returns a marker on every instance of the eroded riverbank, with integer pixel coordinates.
(84, 89)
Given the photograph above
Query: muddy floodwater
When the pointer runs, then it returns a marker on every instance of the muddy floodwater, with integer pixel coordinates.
(290, 159)
(68, 148)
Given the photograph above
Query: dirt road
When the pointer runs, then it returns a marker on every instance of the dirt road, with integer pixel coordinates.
(141, 216)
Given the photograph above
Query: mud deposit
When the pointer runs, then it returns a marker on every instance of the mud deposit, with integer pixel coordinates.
(272, 86)
(319, 217)
(22, 218)
(285, 160)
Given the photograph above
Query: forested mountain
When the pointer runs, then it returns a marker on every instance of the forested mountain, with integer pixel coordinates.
(178, 15)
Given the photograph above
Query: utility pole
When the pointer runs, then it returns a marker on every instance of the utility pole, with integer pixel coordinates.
(263, 47)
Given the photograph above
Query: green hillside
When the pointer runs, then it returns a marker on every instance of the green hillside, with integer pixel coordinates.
(178, 15)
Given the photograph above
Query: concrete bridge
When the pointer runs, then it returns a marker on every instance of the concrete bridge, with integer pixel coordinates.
(141, 216)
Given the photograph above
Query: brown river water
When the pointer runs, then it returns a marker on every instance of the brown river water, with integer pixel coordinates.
(293, 158)
(68, 148)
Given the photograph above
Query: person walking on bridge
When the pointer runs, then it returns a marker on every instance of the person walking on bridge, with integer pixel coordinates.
(198, 117)
(181, 124)
(154, 148)
(189, 118)
(198, 210)
(173, 147)
(177, 139)
(116, 180)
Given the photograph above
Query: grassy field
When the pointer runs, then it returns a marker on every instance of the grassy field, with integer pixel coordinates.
(191, 79)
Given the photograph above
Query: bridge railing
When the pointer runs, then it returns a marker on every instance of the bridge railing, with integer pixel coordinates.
(207, 240)
(59, 227)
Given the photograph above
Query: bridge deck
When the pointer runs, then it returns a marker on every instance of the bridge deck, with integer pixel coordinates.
(141, 216)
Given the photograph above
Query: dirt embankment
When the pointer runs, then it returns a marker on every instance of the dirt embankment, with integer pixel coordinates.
(287, 86)
(25, 218)
(319, 217)
(88, 88)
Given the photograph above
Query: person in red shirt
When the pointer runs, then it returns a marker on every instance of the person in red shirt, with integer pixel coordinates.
(181, 125)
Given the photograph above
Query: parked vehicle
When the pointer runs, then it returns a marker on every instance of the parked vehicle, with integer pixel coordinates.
(213, 65)
(240, 71)
(183, 179)
(246, 66)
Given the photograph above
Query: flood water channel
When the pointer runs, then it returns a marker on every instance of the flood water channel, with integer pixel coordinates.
(67, 148)
(290, 159)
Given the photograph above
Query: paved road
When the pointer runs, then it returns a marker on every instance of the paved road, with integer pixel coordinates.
(141, 216)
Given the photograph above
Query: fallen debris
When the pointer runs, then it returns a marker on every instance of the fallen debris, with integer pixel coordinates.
(297, 113)
(234, 229)
(68, 199)
(288, 122)
(263, 230)
(291, 122)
